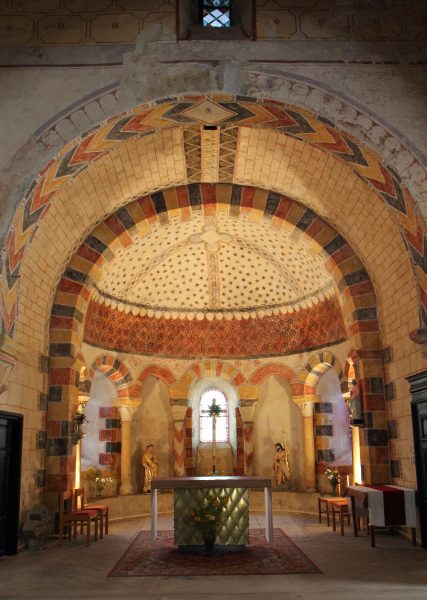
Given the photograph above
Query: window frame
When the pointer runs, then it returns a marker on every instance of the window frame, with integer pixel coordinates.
(243, 22)
(208, 5)
(226, 416)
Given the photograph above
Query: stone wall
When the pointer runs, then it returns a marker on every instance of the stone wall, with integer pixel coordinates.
(359, 68)
(373, 88)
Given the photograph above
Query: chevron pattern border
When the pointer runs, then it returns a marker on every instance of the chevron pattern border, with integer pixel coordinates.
(112, 368)
(145, 119)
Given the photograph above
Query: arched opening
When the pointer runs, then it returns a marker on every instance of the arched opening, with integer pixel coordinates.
(201, 397)
(207, 399)
(278, 420)
(152, 424)
(100, 446)
(332, 428)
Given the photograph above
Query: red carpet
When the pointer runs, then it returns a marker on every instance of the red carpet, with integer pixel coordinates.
(143, 558)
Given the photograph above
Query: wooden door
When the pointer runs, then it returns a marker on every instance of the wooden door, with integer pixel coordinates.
(10, 475)
(419, 412)
(4, 481)
(418, 385)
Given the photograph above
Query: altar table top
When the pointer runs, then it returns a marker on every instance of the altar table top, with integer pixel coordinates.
(227, 481)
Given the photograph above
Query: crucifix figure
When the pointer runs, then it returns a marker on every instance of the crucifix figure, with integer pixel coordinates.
(214, 411)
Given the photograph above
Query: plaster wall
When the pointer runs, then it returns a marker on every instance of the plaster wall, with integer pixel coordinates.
(101, 394)
(278, 418)
(152, 424)
(378, 94)
(328, 390)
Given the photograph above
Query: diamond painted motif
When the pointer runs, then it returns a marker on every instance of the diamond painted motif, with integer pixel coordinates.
(208, 112)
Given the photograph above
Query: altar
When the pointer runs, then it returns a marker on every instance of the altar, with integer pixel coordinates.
(190, 492)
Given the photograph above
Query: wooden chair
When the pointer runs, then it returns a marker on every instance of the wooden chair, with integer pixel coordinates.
(341, 508)
(69, 518)
(102, 509)
(327, 502)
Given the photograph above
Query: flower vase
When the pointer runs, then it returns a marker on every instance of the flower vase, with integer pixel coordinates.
(334, 485)
(209, 543)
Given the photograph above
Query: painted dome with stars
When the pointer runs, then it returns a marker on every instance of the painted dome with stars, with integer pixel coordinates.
(215, 267)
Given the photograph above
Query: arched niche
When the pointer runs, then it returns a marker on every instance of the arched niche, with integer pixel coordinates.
(101, 393)
(101, 430)
(276, 418)
(152, 424)
(336, 425)
(230, 392)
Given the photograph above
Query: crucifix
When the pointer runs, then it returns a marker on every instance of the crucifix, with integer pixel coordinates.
(214, 411)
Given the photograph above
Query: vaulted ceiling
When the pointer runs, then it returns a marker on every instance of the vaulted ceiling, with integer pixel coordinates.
(216, 266)
(174, 151)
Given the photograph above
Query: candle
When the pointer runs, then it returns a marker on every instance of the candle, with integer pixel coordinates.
(347, 480)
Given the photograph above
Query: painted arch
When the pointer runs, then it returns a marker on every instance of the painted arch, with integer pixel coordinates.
(165, 125)
(166, 146)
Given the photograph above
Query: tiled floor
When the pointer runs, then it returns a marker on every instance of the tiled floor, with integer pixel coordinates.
(351, 569)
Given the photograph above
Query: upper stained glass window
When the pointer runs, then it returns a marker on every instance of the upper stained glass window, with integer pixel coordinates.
(216, 13)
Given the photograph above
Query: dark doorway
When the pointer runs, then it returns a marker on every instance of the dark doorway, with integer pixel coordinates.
(419, 421)
(10, 480)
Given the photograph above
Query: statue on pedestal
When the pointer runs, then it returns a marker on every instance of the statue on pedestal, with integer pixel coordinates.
(149, 462)
(281, 468)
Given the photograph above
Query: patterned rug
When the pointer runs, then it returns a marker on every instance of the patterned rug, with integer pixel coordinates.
(144, 558)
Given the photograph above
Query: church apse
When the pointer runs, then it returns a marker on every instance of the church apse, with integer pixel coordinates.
(219, 279)
(216, 205)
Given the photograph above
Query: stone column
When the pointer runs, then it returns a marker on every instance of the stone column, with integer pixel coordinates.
(248, 435)
(126, 415)
(307, 409)
(81, 405)
(355, 439)
(374, 443)
(178, 415)
(248, 413)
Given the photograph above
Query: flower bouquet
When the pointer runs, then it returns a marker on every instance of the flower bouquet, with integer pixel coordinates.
(206, 519)
(334, 478)
(100, 481)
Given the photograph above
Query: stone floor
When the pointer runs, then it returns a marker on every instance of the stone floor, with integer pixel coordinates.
(351, 569)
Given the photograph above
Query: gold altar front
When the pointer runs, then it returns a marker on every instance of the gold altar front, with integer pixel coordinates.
(196, 489)
(233, 528)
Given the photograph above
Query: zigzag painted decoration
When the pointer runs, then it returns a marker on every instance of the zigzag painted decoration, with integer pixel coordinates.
(230, 113)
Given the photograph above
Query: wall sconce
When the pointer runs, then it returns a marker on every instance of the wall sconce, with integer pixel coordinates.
(77, 434)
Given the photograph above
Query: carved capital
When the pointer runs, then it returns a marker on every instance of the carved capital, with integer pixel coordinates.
(178, 413)
(248, 413)
(307, 408)
(127, 412)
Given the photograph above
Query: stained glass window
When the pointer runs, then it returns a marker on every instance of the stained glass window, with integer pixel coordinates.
(216, 13)
(206, 421)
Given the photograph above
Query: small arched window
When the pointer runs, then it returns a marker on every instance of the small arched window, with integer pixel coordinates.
(215, 13)
(206, 401)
